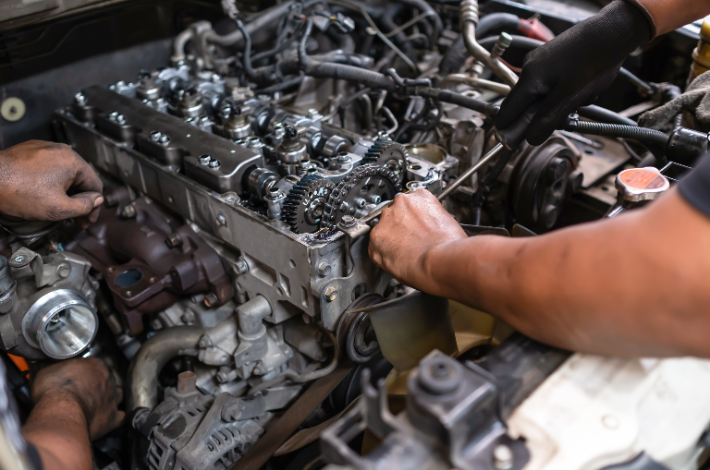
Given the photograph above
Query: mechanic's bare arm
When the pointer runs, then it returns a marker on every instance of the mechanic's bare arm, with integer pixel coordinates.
(48, 181)
(635, 285)
(75, 401)
(669, 15)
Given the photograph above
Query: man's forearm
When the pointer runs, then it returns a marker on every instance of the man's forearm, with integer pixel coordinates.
(57, 428)
(587, 287)
(668, 15)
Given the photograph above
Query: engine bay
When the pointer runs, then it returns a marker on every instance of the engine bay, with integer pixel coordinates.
(227, 281)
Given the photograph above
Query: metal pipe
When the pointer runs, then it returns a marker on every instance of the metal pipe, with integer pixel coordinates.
(469, 20)
(467, 174)
(152, 357)
(455, 78)
(179, 47)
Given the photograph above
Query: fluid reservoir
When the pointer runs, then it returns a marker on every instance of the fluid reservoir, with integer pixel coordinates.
(701, 54)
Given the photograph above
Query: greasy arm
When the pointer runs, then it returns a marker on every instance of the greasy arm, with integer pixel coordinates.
(633, 285)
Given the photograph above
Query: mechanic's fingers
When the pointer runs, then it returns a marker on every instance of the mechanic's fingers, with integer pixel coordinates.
(86, 178)
(79, 205)
(523, 95)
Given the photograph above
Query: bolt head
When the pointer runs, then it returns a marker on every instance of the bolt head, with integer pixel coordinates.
(502, 457)
(221, 220)
(214, 163)
(155, 136)
(330, 294)
(205, 160)
(63, 270)
(347, 221)
(129, 211)
(80, 99)
(174, 240)
(164, 139)
(323, 269)
(19, 258)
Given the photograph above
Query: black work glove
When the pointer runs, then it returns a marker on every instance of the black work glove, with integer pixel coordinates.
(574, 68)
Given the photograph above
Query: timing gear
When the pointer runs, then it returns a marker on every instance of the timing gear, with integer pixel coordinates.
(385, 152)
(367, 184)
(303, 207)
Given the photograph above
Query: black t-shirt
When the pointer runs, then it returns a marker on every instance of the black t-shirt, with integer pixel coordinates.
(695, 187)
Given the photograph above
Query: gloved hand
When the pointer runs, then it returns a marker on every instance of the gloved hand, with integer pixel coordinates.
(574, 68)
(48, 181)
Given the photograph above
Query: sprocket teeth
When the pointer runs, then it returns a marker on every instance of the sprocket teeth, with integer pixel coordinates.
(306, 187)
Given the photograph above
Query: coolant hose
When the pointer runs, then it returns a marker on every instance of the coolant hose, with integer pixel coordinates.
(155, 353)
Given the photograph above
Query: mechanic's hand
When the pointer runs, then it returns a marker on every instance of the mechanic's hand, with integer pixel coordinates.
(48, 181)
(90, 383)
(574, 68)
(408, 231)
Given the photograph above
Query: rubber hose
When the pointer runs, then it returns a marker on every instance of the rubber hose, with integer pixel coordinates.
(597, 113)
(235, 38)
(280, 86)
(388, 24)
(424, 7)
(152, 357)
(454, 98)
(457, 53)
(246, 57)
(641, 134)
(348, 72)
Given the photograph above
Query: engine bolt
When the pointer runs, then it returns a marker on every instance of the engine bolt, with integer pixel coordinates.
(221, 220)
(80, 99)
(19, 259)
(323, 269)
(343, 158)
(113, 116)
(63, 270)
(241, 266)
(155, 136)
(214, 164)
(502, 457)
(330, 294)
(347, 221)
(174, 240)
(128, 212)
(164, 139)
(210, 300)
(205, 160)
